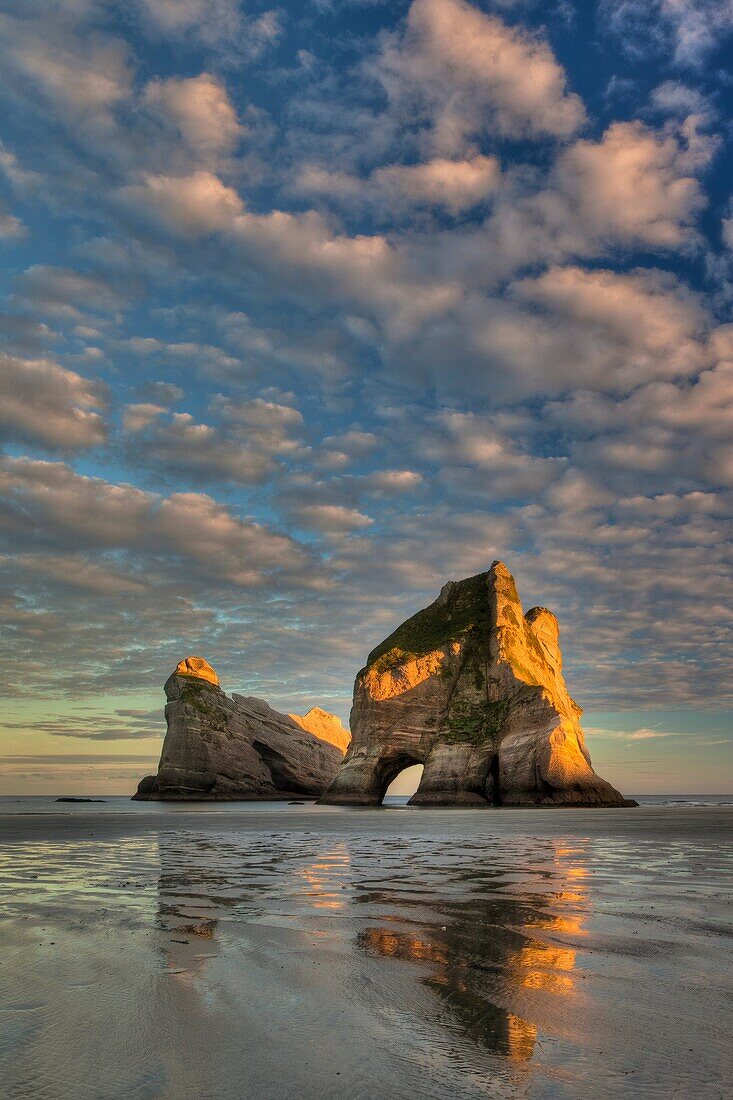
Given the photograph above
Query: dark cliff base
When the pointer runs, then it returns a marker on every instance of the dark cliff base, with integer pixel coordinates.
(197, 796)
(464, 801)
(148, 792)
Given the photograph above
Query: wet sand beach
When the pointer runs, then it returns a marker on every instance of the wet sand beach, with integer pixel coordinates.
(291, 951)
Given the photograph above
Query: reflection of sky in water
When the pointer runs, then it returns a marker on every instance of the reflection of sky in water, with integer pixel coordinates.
(453, 913)
(481, 946)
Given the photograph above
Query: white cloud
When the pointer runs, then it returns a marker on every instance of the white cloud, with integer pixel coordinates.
(632, 326)
(643, 734)
(187, 16)
(318, 351)
(454, 185)
(136, 418)
(727, 230)
(474, 74)
(217, 24)
(82, 75)
(181, 446)
(192, 205)
(673, 97)
(267, 417)
(331, 519)
(393, 481)
(454, 439)
(45, 404)
(76, 571)
(200, 110)
(636, 184)
(22, 180)
(576, 493)
(11, 228)
(66, 293)
(705, 405)
(689, 30)
(369, 270)
(698, 27)
(354, 442)
(567, 329)
(206, 359)
(51, 504)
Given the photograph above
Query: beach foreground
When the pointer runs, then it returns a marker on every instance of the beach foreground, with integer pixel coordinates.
(282, 951)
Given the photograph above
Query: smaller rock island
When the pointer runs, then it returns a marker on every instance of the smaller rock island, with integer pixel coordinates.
(239, 748)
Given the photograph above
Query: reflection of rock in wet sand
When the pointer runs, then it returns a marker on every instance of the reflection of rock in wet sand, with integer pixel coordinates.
(488, 1023)
(488, 942)
(325, 878)
(204, 882)
(188, 906)
(487, 952)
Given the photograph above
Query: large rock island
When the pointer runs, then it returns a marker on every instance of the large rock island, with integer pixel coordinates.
(223, 748)
(473, 689)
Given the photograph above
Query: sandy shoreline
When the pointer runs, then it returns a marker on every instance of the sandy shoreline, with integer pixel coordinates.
(296, 952)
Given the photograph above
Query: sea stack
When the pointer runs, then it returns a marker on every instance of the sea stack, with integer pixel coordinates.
(223, 748)
(473, 689)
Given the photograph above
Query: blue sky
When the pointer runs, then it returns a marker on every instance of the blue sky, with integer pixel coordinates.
(310, 308)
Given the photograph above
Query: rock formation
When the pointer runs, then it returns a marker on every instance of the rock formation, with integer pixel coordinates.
(198, 667)
(235, 748)
(325, 726)
(473, 689)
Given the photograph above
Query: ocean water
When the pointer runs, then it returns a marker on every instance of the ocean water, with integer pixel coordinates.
(268, 951)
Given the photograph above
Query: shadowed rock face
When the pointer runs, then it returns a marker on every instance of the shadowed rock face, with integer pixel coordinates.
(473, 689)
(222, 748)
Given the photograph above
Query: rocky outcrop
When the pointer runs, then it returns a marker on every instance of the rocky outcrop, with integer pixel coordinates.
(198, 667)
(473, 689)
(220, 748)
(325, 726)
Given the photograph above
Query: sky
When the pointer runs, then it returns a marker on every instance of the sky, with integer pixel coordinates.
(308, 309)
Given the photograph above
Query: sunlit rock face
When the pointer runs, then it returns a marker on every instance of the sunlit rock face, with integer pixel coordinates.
(325, 726)
(219, 747)
(197, 667)
(473, 689)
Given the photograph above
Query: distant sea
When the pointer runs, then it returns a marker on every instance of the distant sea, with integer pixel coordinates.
(47, 804)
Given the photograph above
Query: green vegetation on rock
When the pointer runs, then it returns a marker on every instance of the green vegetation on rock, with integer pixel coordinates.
(482, 720)
(196, 696)
(476, 723)
(449, 619)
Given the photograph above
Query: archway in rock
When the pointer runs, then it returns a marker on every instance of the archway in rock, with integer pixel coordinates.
(405, 782)
(389, 768)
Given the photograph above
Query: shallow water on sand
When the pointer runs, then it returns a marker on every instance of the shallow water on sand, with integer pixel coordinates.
(273, 953)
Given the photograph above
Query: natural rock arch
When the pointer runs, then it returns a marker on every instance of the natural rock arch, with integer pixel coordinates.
(405, 783)
(473, 689)
(380, 769)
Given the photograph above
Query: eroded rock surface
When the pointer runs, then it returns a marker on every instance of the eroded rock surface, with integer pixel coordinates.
(325, 726)
(473, 689)
(197, 667)
(219, 747)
